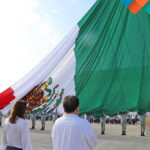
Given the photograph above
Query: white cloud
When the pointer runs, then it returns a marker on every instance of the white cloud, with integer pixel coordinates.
(25, 11)
(74, 1)
(53, 11)
(21, 31)
(49, 32)
(47, 15)
(19, 10)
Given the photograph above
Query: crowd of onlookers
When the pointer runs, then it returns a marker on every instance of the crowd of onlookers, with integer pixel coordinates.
(131, 119)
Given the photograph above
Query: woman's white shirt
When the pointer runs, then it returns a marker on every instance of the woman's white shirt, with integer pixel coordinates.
(17, 135)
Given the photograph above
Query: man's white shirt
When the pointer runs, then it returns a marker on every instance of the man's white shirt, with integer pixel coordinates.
(71, 132)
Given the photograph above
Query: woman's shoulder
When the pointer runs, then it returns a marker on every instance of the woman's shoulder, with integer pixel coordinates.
(21, 121)
(6, 121)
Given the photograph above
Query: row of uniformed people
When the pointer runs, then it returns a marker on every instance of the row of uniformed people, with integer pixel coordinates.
(142, 123)
(123, 122)
(43, 119)
(38, 116)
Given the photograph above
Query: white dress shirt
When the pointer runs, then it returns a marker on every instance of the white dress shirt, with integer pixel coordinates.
(71, 132)
(17, 135)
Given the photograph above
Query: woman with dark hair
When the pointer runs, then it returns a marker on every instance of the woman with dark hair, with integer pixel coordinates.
(16, 134)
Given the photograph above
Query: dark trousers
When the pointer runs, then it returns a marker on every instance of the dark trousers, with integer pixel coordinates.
(13, 148)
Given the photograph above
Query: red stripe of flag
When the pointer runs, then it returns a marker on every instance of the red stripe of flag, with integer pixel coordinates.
(6, 97)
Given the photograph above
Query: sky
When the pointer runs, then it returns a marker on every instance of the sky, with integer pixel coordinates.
(30, 29)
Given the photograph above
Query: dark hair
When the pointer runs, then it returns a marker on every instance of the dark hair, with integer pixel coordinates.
(70, 103)
(18, 110)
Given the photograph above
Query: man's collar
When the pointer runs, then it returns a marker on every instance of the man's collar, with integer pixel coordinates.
(69, 115)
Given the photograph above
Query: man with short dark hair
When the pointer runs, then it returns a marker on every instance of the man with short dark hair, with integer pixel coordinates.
(71, 132)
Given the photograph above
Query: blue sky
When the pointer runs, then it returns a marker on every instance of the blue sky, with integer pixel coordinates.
(30, 29)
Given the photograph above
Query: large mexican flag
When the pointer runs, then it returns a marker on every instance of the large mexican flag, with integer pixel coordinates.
(104, 60)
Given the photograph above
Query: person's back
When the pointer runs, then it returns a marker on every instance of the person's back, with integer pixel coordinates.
(71, 132)
(15, 132)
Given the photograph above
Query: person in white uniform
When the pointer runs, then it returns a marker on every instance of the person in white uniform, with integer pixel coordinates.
(103, 122)
(43, 118)
(143, 123)
(16, 134)
(71, 132)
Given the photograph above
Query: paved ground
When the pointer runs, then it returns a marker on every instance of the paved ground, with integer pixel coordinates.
(111, 141)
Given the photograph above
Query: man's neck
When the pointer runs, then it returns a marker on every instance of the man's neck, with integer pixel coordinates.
(72, 113)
